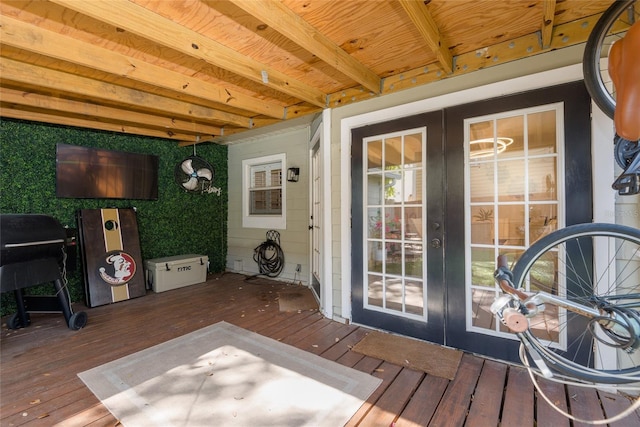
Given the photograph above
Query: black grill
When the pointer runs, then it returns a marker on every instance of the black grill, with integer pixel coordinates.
(30, 237)
(32, 253)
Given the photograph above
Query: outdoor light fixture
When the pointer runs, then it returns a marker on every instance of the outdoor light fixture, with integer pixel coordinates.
(293, 174)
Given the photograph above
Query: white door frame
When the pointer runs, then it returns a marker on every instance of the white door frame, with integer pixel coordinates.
(321, 136)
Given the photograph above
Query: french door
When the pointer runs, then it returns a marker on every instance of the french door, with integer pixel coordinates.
(438, 195)
(397, 227)
(534, 178)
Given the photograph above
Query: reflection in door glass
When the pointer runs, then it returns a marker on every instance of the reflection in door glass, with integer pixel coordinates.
(511, 170)
(393, 202)
(374, 155)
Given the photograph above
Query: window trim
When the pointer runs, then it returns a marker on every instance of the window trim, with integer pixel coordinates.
(263, 221)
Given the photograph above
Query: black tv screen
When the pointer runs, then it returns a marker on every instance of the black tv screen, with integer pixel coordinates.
(95, 173)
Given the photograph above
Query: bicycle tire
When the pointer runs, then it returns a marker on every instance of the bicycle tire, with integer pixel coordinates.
(593, 77)
(568, 251)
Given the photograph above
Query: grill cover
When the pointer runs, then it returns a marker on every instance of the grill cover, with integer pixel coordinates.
(27, 237)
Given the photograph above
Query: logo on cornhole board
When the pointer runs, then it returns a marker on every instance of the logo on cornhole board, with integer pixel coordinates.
(118, 268)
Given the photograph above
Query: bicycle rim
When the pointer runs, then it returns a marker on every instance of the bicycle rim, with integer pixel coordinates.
(610, 27)
(596, 265)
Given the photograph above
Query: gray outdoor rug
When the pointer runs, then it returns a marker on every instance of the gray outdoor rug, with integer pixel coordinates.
(223, 375)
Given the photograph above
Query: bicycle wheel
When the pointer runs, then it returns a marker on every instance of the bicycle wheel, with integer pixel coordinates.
(610, 27)
(598, 266)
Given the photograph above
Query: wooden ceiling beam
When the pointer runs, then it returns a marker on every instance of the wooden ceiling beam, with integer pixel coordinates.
(564, 35)
(84, 88)
(103, 113)
(36, 116)
(548, 16)
(48, 43)
(428, 29)
(283, 20)
(165, 32)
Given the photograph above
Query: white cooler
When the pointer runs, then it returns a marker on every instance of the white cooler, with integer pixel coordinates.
(175, 272)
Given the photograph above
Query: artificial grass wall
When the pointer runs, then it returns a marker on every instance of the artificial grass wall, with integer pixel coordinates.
(177, 223)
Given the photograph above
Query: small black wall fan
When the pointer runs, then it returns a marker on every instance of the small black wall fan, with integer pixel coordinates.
(194, 175)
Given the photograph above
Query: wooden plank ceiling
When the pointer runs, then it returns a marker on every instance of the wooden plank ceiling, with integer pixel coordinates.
(196, 70)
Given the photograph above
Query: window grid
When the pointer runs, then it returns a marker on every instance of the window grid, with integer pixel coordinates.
(392, 286)
(493, 213)
(264, 192)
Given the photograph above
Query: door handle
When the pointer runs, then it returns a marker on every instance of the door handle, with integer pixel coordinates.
(436, 243)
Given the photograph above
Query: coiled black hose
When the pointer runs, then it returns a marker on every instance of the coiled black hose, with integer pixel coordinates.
(269, 255)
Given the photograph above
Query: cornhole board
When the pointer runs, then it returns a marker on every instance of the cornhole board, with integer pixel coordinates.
(112, 261)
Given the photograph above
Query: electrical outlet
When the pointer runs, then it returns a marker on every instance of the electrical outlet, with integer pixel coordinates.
(298, 268)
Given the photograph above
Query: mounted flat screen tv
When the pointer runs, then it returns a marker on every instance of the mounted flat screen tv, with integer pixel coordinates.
(95, 173)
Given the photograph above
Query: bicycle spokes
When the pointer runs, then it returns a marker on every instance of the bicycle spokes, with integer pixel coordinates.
(574, 297)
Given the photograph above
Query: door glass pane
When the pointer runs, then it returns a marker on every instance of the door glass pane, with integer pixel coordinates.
(413, 224)
(414, 257)
(511, 227)
(481, 141)
(483, 266)
(482, 224)
(375, 188)
(392, 153)
(542, 132)
(375, 223)
(542, 178)
(481, 303)
(510, 137)
(395, 223)
(413, 185)
(374, 155)
(512, 168)
(393, 258)
(511, 180)
(543, 219)
(413, 150)
(374, 291)
(394, 293)
(376, 257)
(414, 297)
(481, 181)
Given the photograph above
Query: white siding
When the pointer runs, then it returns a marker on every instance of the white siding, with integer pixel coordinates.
(294, 240)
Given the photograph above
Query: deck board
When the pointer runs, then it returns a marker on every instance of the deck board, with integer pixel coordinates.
(547, 415)
(487, 398)
(585, 405)
(392, 401)
(518, 408)
(423, 403)
(614, 404)
(39, 364)
(454, 408)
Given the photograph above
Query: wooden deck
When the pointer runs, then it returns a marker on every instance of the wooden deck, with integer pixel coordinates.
(39, 364)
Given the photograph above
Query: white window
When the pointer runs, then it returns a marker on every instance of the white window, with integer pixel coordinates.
(264, 198)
